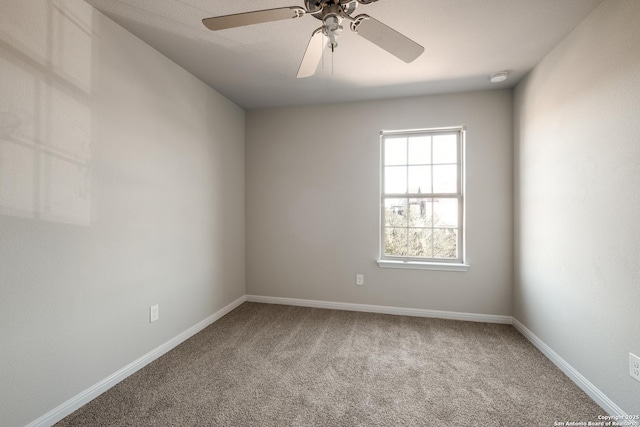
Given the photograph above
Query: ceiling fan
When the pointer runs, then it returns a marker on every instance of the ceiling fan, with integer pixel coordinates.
(331, 13)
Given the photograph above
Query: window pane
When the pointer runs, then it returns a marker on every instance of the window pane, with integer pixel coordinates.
(395, 212)
(395, 151)
(445, 243)
(419, 179)
(395, 179)
(420, 242)
(420, 150)
(395, 241)
(420, 212)
(445, 179)
(445, 213)
(415, 166)
(445, 149)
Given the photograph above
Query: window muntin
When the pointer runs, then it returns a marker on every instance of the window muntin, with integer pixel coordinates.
(422, 205)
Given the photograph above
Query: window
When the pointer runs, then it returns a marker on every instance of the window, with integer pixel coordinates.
(422, 203)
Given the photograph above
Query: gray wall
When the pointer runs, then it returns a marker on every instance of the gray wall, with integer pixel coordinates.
(578, 169)
(312, 198)
(121, 186)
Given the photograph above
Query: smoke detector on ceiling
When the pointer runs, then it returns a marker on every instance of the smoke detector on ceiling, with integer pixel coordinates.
(498, 77)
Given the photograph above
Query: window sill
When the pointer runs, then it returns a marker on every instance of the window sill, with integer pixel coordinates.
(413, 265)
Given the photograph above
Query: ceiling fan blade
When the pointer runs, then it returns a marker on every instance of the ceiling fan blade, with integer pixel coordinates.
(249, 18)
(387, 38)
(313, 54)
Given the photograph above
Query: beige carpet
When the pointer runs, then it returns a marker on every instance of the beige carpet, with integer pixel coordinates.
(272, 365)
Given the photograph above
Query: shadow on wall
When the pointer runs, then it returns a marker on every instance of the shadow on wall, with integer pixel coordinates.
(45, 116)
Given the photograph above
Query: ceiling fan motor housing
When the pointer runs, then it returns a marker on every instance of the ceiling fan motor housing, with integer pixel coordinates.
(347, 6)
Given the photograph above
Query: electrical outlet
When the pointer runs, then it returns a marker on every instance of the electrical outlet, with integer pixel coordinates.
(634, 366)
(360, 279)
(154, 313)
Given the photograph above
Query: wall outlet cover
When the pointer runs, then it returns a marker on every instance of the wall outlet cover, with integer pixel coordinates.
(154, 313)
(634, 366)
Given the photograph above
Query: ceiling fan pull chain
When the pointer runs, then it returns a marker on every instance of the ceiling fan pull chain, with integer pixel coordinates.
(322, 47)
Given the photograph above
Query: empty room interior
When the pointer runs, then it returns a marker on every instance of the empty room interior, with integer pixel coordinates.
(301, 212)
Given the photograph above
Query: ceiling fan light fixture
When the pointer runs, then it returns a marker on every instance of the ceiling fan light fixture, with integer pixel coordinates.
(498, 77)
(332, 29)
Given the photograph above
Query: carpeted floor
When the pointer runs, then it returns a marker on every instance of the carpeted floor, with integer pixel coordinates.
(272, 365)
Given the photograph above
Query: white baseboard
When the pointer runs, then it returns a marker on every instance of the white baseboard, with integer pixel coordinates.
(94, 391)
(91, 393)
(382, 309)
(592, 391)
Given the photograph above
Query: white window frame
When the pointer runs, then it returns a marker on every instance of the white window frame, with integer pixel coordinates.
(457, 264)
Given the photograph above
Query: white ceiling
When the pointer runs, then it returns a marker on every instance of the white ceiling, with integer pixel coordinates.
(256, 66)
